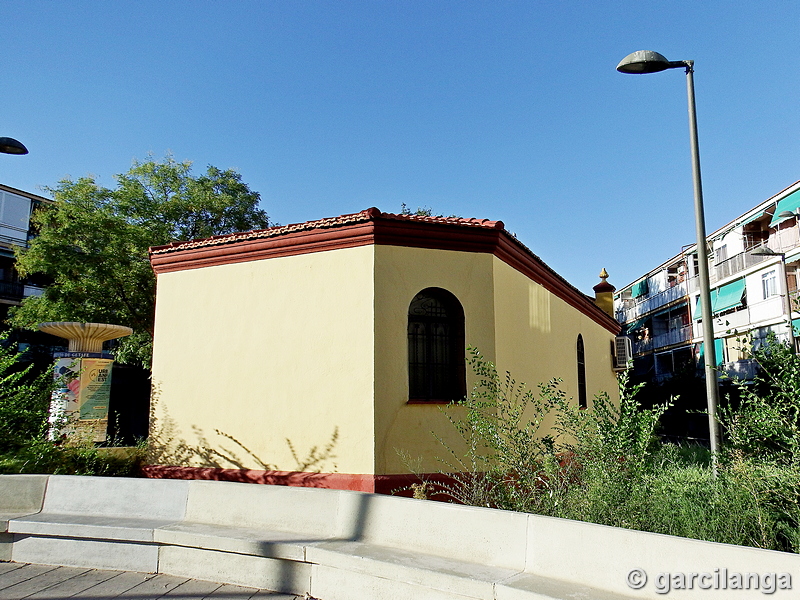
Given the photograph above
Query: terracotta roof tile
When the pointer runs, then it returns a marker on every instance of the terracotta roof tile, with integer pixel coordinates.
(364, 216)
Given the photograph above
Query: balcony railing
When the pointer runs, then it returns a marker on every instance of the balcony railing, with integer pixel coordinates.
(11, 290)
(741, 369)
(670, 338)
(633, 309)
(736, 264)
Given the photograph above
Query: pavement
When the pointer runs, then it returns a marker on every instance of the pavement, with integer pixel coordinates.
(20, 581)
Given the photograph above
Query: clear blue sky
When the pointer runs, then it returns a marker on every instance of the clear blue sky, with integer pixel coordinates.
(502, 110)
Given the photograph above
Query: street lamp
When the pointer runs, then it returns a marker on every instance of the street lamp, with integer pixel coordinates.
(647, 61)
(11, 146)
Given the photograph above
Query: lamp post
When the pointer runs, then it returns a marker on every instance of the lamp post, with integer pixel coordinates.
(647, 61)
(11, 146)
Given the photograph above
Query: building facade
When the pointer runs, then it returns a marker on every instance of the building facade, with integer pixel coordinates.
(754, 266)
(16, 208)
(356, 324)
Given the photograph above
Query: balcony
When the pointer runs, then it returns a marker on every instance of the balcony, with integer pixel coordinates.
(633, 309)
(740, 369)
(670, 338)
(736, 264)
(11, 290)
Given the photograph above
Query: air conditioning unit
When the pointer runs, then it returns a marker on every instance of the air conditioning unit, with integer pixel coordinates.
(623, 352)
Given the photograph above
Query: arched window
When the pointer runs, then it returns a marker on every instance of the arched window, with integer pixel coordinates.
(436, 365)
(581, 373)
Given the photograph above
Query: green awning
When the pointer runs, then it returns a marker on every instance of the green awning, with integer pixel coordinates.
(796, 326)
(719, 351)
(634, 325)
(729, 296)
(723, 298)
(790, 203)
(671, 309)
(758, 215)
(640, 288)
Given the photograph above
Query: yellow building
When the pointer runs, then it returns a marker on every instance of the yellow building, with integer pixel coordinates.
(267, 342)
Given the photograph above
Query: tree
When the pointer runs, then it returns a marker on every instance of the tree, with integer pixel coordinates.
(92, 243)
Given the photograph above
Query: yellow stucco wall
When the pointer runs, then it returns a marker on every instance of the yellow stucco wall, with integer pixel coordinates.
(400, 274)
(512, 320)
(537, 334)
(264, 351)
(298, 346)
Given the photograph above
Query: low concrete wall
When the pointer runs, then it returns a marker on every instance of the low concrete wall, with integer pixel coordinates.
(339, 545)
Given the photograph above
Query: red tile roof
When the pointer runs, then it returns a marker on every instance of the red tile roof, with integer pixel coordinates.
(364, 216)
(371, 226)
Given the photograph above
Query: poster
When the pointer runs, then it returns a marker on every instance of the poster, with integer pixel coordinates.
(80, 402)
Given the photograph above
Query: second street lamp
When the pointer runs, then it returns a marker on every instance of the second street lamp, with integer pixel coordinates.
(647, 61)
(11, 146)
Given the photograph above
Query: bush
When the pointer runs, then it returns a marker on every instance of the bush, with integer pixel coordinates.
(765, 423)
(24, 399)
(606, 465)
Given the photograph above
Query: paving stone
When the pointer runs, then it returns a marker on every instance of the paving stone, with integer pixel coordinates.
(113, 587)
(74, 586)
(193, 589)
(234, 592)
(41, 582)
(24, 573)
(5, 567)
(155, 587)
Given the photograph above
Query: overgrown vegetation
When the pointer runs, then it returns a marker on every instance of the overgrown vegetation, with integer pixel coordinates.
(538, 452)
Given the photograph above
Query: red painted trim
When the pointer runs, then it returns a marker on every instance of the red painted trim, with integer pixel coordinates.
(398, 484)
(431, 402)
(373, 227)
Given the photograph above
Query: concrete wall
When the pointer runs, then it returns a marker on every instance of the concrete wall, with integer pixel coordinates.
(268, 350)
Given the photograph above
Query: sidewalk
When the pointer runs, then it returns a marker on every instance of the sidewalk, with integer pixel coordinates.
(20, 581)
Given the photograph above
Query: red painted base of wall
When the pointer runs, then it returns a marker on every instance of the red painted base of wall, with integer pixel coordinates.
(399, 485)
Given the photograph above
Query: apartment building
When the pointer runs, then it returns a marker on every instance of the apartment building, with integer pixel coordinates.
(16, 208)
(754, 267)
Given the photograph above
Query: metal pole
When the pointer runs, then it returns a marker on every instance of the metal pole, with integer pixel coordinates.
(712, 389)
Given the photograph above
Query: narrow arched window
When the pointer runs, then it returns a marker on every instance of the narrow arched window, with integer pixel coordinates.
(581, 373)
(436, 366)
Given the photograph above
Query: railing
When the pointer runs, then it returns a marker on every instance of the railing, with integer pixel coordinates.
(740, 369)
(737, 263)
(670, 338)
(11, 290)
(632, 309)
(676, 336)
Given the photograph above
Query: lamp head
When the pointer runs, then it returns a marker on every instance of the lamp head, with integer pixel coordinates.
(647, 61)
(11, 146)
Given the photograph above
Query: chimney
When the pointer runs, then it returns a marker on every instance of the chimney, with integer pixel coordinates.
(604, 294)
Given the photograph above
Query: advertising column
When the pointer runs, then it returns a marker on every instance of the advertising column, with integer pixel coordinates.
(79, 405)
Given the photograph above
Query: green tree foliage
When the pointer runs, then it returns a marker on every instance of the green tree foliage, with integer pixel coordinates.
(92, 243)
(765, 423)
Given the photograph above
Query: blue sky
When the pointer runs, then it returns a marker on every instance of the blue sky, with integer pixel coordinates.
(502, 110)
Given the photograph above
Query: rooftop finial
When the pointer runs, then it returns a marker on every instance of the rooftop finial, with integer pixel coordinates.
(604, 274)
